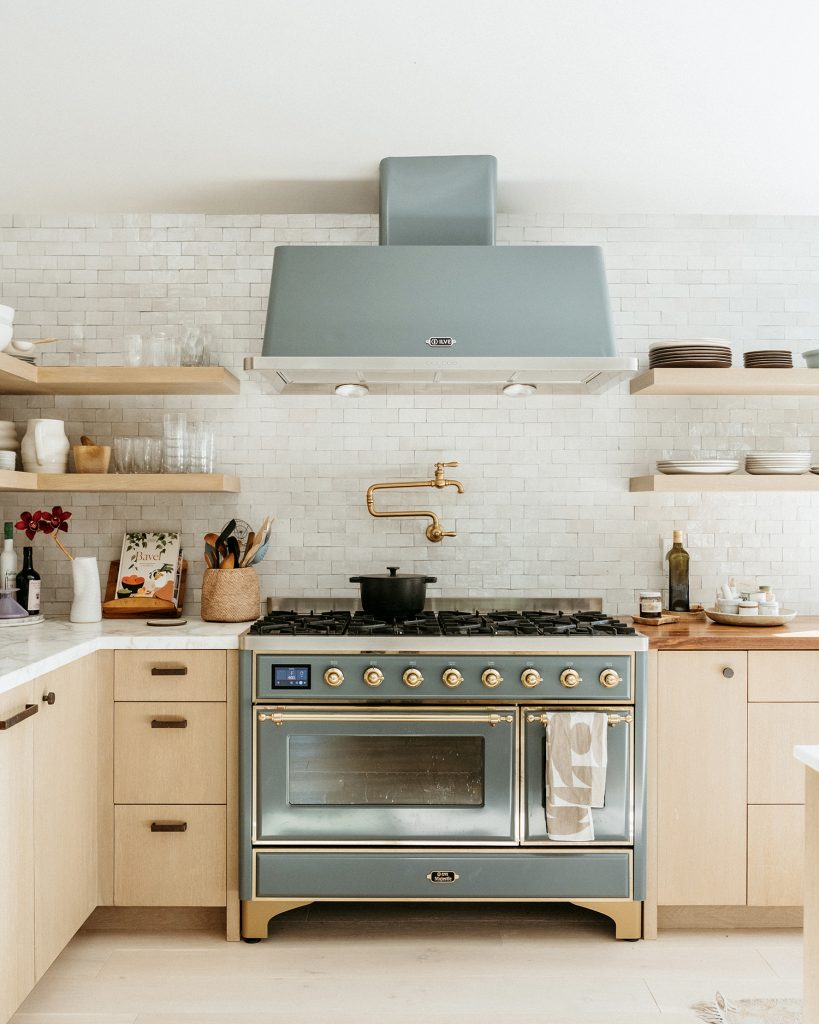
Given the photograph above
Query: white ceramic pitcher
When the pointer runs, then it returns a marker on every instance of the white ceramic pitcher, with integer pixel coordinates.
(45, 447)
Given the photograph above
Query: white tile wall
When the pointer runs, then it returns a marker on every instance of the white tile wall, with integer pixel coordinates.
(546, 508)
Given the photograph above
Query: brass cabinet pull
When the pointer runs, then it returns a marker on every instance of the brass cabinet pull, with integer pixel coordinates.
(181, 670)
(21, 716)
(728, 673)
(169, 826)
(169, 723)
(50, 697)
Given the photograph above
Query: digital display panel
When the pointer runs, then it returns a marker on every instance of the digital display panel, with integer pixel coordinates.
(291, 677)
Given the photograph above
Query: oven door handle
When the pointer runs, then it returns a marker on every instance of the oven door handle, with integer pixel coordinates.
(614, 719)
(492, 718)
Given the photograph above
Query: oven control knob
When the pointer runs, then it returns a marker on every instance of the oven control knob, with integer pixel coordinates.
(491, 677)
(412, 677)
(452, 678)
(373, 676)
(530, 678)
(334, 677)
(610, 678)
(569, 677)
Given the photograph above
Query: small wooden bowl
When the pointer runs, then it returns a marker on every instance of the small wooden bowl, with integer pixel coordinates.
(92, 458)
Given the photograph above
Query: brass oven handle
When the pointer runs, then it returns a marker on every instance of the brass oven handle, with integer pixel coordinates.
(613, 719)
(180, 670)
(169, 826)
(169, 723)
(21, 716)
(280, 717)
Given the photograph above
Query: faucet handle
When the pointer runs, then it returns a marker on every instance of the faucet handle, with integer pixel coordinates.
(440, 465)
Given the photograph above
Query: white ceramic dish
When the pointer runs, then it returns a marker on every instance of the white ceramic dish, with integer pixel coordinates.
(6, 314)
(726, 619)
(6, 334)
(670, 468)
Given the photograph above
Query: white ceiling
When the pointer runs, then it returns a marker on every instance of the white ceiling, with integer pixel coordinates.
(704, 106)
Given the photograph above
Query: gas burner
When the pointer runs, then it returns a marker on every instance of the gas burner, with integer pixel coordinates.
(296, 624)
(423, 624)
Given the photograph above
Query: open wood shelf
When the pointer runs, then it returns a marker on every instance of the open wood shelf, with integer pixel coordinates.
(19, 378)
(727, 381)
(692, 482)
(120, 483)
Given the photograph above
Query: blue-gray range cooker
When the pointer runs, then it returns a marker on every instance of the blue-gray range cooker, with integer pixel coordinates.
(406, 760)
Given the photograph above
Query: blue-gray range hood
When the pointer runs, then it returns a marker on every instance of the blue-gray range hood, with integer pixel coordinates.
(437, 303)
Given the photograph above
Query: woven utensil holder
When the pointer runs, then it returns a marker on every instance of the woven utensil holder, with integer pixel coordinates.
(230, 595)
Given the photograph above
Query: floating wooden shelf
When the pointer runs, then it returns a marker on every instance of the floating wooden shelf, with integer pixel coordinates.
(693, 482)
(120, 483)
(728, 381)
(19, 378)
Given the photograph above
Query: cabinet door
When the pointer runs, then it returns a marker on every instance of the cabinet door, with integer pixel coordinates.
(65, 808)
(776, 855)
(16, 850)
(774, 774)
(701, 800)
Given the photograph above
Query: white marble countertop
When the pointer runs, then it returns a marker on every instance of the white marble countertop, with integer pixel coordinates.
(29, 651)
(808, 755)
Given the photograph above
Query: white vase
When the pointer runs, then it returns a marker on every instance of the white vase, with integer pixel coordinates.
(87, 603)
(45, 447)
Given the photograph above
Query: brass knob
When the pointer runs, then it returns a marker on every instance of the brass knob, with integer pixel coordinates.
(569, 677)
(412, 677)
(609, 678)
(530, 678)
(334, 677)
(491, 677)
(373, 676)
(452, 678)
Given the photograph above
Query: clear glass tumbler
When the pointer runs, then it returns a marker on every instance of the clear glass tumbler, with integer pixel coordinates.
(139, 452)
(193, 347)
(201, 445)
(133, 350)
(123, 454)
(174, 442)
(153, 454)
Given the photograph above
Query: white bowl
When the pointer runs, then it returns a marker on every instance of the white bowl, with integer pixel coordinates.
(20, 347)
(725, 619)
(6, 333)
(8, 460)
(6, 314)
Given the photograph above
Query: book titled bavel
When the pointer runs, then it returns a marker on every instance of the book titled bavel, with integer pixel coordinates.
(149, 566)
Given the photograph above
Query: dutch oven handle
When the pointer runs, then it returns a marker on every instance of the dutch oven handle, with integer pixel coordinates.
(430, 579)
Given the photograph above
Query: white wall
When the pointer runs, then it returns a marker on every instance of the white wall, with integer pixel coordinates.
(546, 509)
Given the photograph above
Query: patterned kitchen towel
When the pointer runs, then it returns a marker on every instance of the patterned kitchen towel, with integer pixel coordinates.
(576, 757)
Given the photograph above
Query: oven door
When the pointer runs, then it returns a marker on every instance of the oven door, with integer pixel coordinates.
(614, 821)
(383, 775)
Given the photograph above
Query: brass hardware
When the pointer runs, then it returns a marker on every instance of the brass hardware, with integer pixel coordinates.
(496, 719)
(50, 698)
(570, 678)
(182, 670)
(334, 677)
(169, 826)
(21, 716)
(435, 532)
(491, 678)
(280, 717)
(412, 677)
(276, 717)
(728, 673)
(610, 678)
(169, 723)
(613, 719)
(530, 678)
(373, 676)
(452, 678)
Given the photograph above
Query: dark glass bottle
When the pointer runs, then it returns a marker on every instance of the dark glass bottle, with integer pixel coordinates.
(678, 590)
(28, 585)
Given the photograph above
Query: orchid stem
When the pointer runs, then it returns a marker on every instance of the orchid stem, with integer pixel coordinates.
(62, 548)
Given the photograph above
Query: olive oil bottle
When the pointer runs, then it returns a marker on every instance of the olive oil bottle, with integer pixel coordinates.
(678, 591)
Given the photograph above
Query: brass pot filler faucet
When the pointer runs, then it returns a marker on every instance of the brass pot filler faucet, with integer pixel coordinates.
(434, 531)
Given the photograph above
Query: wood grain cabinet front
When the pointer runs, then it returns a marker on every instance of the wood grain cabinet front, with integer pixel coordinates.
(774, 775)
(170, 675)
(776, 855)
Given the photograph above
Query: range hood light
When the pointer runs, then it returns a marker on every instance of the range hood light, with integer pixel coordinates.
(519, 390)
(351, 390)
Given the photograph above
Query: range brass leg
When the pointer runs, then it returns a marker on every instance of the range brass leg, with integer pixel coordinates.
(256, 915)
(627, 917)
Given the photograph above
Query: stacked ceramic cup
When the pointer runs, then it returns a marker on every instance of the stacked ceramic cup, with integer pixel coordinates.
(9, 445)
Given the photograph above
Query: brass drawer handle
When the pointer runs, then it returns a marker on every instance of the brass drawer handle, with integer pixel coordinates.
(50, 698)
(21, 716)
(181, 670)
(169, 723)
(169, 826)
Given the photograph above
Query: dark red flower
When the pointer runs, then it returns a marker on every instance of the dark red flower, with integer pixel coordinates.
(59, 518)
(43, 521)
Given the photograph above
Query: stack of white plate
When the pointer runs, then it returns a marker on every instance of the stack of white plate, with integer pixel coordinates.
(9, 445)
(697, 466)
(777, 462)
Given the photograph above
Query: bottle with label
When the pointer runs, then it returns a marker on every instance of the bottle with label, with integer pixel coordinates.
(28, 584)
(678, 590)
(8, 559)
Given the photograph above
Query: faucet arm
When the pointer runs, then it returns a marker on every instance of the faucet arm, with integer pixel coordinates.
(434, 532)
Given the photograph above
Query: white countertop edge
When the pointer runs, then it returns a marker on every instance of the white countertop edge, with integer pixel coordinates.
(808, 756)
(27, 652)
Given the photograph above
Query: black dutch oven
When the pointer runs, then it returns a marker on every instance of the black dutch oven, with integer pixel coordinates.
(391, 596)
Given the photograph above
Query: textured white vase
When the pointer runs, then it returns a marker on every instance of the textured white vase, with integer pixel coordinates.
(45, 447)
(87, 603)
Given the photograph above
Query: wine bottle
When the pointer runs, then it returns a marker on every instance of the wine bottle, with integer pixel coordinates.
(678, 590)
(28, 585)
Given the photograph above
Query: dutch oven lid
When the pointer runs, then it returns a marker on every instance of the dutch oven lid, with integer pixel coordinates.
(392, 574)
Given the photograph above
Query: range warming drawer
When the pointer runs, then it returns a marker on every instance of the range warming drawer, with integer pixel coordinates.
(446, 874)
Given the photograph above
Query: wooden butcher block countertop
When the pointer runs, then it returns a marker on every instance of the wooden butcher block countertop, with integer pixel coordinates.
(700, 634)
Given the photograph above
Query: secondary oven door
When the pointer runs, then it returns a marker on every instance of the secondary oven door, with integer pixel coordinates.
(381, 775)
(614, 821)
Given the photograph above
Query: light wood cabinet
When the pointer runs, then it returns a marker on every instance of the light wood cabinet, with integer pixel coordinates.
(774, 775)
(776, 853)
(701, 799)
(16, 849)
(170, 675)
(783, 676)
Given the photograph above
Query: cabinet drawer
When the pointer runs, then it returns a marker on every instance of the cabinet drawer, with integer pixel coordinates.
(170, 675)
(169, 753)
(774, 774)
(169, 868)
(783, 676)
(776, 855)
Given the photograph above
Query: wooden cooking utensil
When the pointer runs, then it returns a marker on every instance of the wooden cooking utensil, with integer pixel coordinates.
(86, 440)
(228, 562)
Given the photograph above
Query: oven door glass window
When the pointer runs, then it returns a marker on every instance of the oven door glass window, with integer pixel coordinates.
(384, 776)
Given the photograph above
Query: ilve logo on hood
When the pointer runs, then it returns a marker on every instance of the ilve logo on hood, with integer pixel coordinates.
(440, 342)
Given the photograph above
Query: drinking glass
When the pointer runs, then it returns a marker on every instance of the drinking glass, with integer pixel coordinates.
(174, 442)
(133, 349)
(173, 351)
(201, 445)
(153, 454)
(123, 454)
(139, 451)
(76, 343)
(193, 347)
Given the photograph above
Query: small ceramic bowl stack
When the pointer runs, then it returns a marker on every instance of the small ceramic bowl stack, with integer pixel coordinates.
(811, 358)
(9, 445)
(6, 326)
(698, 352)
(776, 463)
(769, 359)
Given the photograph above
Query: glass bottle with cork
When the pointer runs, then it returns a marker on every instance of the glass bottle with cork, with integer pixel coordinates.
(28, 584)
(678, 569)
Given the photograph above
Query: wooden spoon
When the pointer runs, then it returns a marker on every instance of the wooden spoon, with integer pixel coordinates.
(228, 562)
(86, 440)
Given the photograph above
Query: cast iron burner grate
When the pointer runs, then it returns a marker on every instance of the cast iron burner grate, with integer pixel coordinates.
(298, 624)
